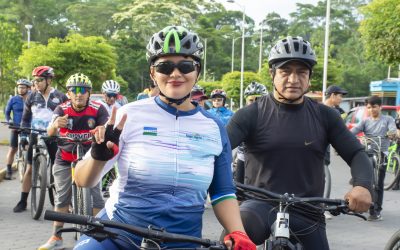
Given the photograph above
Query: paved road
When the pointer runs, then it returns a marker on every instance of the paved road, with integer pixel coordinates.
(19, 231)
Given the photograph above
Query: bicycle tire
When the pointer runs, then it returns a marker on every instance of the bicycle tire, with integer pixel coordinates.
(394, 242)
(84, 199)
(39, 186)
(51, 188)
(392, 172)
(375, 171)
(328, 181)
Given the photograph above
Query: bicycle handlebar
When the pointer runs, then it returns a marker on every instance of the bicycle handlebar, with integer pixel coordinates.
(335, 206)
(149, 233)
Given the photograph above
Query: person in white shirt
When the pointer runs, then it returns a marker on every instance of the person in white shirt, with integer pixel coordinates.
(110, 90)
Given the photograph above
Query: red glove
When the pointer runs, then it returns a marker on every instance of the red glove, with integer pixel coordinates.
(240, 241)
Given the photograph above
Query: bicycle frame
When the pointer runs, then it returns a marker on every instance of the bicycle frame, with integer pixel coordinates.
(392, 151)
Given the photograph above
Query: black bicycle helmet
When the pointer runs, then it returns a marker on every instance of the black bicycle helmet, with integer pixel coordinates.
(174, 40)
(292, 49)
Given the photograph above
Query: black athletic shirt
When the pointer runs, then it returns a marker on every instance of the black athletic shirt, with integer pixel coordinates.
(286, 144)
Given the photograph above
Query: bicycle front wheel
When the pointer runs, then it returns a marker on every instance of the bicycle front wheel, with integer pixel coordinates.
(375, 166)
(394, 242)
(84, 201)
(392, 172)
(39, 186)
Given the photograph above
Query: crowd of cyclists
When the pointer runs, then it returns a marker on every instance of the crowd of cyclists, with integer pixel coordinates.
(173, 150)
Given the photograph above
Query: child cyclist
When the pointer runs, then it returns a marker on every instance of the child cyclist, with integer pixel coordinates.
(193, 154)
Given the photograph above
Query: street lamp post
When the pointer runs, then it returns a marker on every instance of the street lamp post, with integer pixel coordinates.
(205, 59)
(29, 27)
(242, 60)
(260, 55)
(326, 49)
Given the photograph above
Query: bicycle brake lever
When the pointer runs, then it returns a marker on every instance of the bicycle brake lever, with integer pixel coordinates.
(357, 215)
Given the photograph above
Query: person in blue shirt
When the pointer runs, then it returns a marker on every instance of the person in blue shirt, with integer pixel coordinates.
(15, 106)
(218, 97)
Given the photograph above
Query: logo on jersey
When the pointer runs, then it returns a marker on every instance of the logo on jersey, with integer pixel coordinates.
(91, 123)
(150, 131)
(55, 100)
(194, 136)
(70, 124)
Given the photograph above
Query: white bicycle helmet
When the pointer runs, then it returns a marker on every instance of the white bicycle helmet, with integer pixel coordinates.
(255, 88)
(110, 86)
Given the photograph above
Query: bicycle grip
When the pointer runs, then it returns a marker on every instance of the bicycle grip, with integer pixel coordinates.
(66, 217)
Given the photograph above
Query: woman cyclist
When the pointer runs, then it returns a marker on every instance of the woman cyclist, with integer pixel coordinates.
(167, 160)
(218, 97)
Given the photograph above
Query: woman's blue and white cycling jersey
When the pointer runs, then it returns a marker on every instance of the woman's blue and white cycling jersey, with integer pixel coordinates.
(167, 162)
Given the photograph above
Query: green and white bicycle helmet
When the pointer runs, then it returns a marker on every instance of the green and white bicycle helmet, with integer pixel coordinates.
(174, 40)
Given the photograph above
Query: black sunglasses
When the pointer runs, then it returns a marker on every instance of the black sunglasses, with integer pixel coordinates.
(168, 67)
(109, 95)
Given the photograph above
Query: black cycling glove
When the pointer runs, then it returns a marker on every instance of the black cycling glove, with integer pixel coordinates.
(100, 151)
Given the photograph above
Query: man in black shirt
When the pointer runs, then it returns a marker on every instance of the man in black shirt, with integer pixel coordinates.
(286, 135)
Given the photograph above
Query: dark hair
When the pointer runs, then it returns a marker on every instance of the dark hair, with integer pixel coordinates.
(373, 100)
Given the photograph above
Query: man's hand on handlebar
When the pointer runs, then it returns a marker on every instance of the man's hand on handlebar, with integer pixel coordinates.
(106, 138)
(359, 199)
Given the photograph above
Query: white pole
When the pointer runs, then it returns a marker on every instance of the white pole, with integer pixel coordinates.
(389, 72)
(326, 50)
(233, 52)
(205, 59)
(242, 63)
(260, 56)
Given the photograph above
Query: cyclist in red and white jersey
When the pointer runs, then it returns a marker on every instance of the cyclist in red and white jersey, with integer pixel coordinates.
(74, 119)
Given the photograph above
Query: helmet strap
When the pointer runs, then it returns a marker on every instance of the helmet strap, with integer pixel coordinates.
(175, 101)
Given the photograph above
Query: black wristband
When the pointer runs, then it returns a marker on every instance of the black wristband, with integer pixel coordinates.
(100, 151)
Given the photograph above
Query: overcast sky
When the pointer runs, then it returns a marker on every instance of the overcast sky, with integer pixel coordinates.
(258, 9)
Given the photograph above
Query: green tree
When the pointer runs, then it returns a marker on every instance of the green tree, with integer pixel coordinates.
(92, 56)
(380, 30)
(231, 83)
(10, 49)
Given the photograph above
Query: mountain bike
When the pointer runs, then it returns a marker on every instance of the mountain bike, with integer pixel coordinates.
(153, 237)
(281, 233)
(373, 149)
(392, 169)
(81, 196)
(42, 173)
(21, 155)
(394, 242)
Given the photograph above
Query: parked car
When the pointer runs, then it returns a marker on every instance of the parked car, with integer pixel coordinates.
(357, 114)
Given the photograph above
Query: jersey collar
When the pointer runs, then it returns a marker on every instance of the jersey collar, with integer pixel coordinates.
(174, 111)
